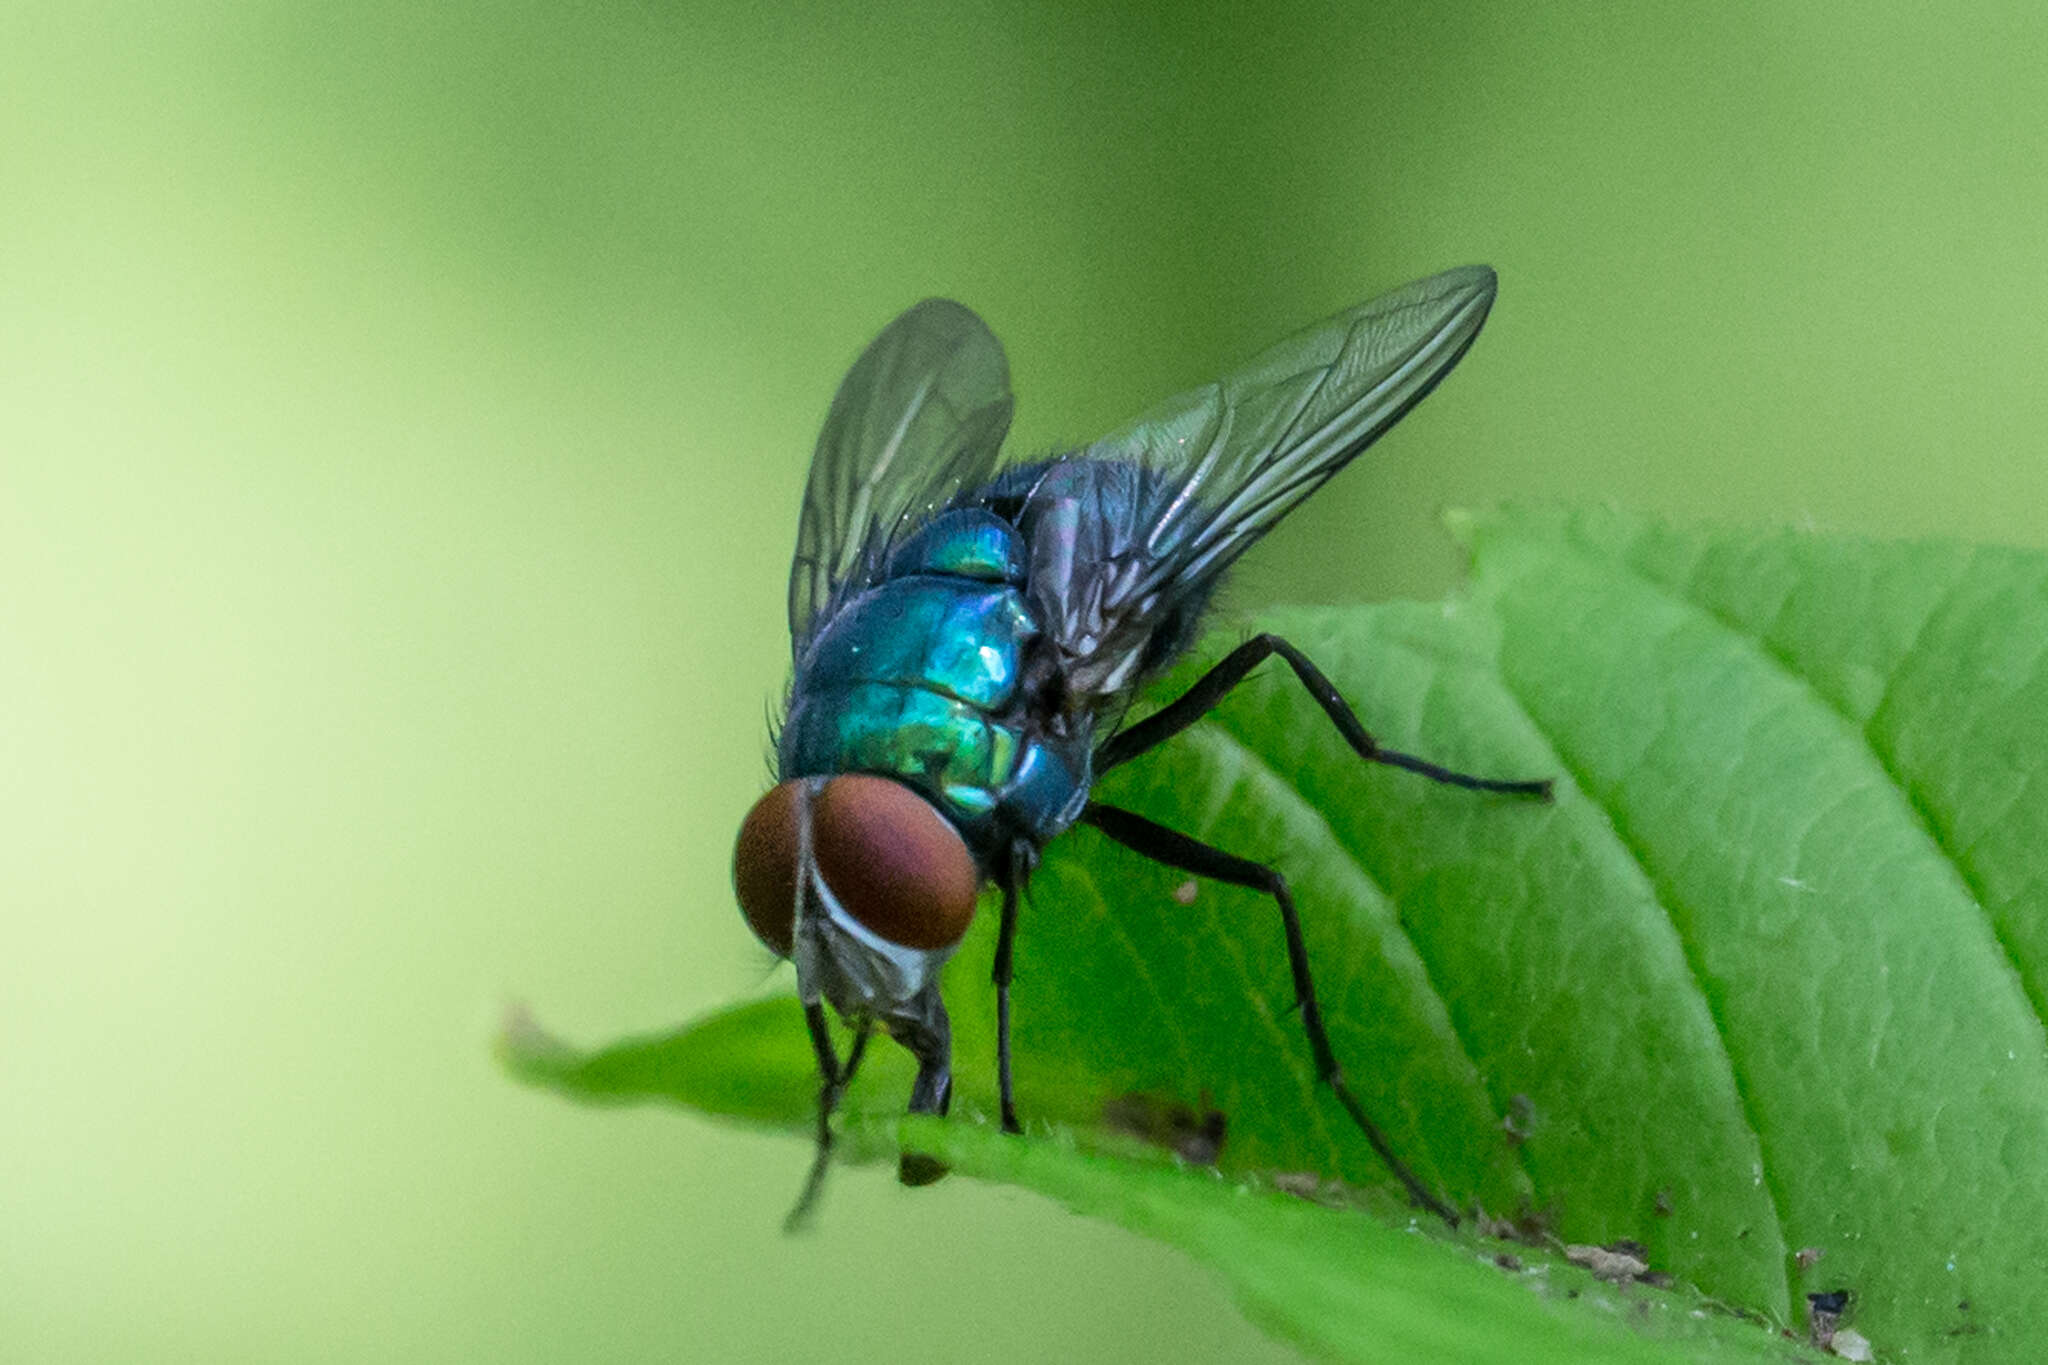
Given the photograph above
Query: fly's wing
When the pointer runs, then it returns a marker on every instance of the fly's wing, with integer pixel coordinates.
(921, 415)
(1172, 499)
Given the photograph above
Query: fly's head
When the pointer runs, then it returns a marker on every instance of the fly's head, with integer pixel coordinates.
(865, 886)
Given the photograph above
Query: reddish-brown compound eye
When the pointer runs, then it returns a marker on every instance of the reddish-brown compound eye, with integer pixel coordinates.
(894, 862)
(764, 868)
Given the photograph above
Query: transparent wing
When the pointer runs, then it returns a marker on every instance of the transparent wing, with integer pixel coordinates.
(1158, 510)
(1228, 461)
(921, 415)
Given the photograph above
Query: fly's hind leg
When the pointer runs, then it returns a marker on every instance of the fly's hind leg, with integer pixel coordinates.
(1011, 879)
(1177, 850)
(1212, 686)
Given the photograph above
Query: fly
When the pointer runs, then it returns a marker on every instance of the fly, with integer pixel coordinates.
(968, 638)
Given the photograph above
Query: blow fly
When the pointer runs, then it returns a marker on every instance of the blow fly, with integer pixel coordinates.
(969, 637)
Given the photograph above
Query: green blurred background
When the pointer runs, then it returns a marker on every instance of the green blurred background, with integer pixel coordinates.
(403, 412)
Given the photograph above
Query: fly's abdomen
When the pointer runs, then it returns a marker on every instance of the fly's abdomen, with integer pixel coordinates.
(909, 680)
(920, 677)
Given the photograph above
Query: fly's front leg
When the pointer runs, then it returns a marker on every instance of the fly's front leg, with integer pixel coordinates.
(1177, 850)
(1212, 687)
(833, 1080)
(923, 1028)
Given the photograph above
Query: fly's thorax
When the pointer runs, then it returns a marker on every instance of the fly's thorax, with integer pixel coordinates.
(1095, 532)
(967, 542)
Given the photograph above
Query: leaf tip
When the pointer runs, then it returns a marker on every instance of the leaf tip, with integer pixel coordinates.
(528, 1050)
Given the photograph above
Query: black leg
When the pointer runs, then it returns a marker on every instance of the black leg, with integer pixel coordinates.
(1211, 687)
(853, 1056)
(831, 1088)
(828, 1069)
(922, 1027)
(1011, 879)
(1163, 845)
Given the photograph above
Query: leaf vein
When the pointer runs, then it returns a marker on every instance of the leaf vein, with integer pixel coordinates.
(1190, 1073)
(1932, 823)
(1657, 894)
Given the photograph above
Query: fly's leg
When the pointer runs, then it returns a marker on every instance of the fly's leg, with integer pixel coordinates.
(831, 1089)
(1211, 687)
(923, 1028)
(1011, 878)
(1177, 850)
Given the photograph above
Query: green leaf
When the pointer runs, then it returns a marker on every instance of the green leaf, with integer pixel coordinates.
(1762, 990)
(1340, 1284)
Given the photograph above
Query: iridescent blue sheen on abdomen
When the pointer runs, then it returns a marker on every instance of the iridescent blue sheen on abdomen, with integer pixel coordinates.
(918, 678)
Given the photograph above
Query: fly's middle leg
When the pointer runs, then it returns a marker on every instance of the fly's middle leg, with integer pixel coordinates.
(1011, 879)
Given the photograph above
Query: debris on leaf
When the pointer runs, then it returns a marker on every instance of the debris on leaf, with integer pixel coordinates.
(1823, 1316)
(1331, 1194)
(1528, 1227)
(1489, 1226)
(1617, 1263)
(1196, 1137)
(1851, 1344)
(1520, 1120)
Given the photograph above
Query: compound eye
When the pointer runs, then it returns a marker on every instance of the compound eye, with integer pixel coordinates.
(893, 862)
(764, 868)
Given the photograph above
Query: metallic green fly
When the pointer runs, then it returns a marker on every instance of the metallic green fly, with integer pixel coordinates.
(969, 638)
